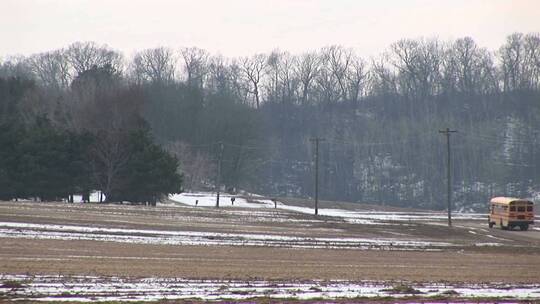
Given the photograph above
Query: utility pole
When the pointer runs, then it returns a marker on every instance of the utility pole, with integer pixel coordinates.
(447, 132)
(218, 176)
(316, 140)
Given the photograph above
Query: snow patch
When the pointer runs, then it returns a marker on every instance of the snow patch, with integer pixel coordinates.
(205, 199)
(92, 288)
(165, 237)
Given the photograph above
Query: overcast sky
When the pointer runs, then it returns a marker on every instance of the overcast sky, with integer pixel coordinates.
(245, 27)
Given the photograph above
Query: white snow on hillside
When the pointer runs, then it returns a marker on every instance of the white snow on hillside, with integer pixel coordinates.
(208, 199)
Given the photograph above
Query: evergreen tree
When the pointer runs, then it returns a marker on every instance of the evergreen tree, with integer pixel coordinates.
(10, 185)
(149, 173)
(50, 161)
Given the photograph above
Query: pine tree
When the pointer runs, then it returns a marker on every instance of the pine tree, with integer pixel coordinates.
(150, 172)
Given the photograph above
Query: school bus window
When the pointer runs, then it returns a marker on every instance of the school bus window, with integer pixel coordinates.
(512, 208)
(529, 208)
(521, 209)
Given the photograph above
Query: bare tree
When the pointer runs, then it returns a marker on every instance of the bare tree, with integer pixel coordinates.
(240, 86)
(339, 60)
(109, 157)
(198, 168)
(273, 66)
(356, 78)
(253, 69)
(468, 68)
(287, 78)
(327, 85)
(218, 74)
(382, 78)
(418, 63)
(51, 69)
(520, 65)
(306, 69)
(404, 54)
(195, 63)
(111, 117)
(16, 66)
(85, 55)
(154, 65)
(532, 59)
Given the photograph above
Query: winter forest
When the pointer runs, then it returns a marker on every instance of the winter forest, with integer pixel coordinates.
(162, 117)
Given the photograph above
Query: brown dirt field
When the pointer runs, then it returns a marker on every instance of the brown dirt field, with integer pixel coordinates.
(517, 261)
(221, 262)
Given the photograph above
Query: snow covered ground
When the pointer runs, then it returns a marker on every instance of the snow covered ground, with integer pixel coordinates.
(164, 237)
(249, 222)
(94, 197)
(92, 288)
(77, 198)
(208, 199)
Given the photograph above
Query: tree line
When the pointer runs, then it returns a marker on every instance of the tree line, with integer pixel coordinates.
(379, 116)
(99, 148)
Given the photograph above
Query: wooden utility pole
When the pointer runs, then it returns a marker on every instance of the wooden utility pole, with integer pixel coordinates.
(447, 132)
(317, 140)
(218, 175)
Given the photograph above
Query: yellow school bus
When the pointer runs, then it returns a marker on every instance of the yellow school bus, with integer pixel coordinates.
(510, 212)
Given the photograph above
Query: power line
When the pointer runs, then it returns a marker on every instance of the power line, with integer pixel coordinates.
(475, 136)
(360, 144)
(270, 147)
(260, 147)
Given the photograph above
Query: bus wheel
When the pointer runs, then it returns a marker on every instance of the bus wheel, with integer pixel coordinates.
(491, 224)
(524, 227)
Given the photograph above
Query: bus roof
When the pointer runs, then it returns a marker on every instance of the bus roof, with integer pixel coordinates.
(507, 200)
